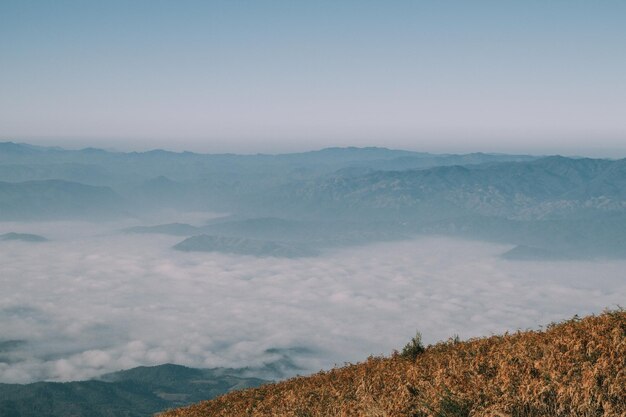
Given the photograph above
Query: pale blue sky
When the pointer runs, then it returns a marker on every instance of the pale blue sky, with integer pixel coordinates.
(273, 76)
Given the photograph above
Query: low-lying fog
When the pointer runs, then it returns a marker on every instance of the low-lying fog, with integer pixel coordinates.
(94, 300)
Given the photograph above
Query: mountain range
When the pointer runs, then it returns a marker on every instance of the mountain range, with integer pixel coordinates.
(137, 392)
(568, 207)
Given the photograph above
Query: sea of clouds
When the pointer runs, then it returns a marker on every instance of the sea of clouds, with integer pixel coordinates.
(94, 300)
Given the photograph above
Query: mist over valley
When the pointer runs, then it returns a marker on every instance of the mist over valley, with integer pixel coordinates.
(277, 265)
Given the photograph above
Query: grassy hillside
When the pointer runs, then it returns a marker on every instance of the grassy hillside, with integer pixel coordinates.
(576, 368)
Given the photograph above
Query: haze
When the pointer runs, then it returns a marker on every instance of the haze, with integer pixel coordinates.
(85, 305)
(286, 264)
(270, 188)
(279, 76)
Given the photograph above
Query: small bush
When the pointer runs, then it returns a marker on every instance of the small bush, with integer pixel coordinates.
(414, 348)
(453, 407)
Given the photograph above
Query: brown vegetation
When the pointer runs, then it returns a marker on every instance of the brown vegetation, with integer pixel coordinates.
(576, 368)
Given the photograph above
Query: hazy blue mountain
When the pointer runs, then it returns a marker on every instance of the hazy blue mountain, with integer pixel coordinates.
(348, 155)
(334, 196)
(218, 182)
(175, 229)
(312, 233)
(544, 188)
(75, 172)
(20, 149)
(56, 199)
(165, 192)
(138, 392)
(188, 166)
(270, 228)
(424, 161)
(24, 237)
(573, 207)
(530, 253)
(259, 228)
(308, 235)
(244, 246)
(602, 236)
(164, 161)
(182, 384)
(183, 166)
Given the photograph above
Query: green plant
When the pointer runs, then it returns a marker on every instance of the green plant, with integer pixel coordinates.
(414, 348)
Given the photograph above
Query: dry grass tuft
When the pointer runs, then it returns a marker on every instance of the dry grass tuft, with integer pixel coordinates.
(575, 368)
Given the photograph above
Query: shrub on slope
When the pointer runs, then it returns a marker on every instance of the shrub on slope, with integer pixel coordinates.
(576, 368)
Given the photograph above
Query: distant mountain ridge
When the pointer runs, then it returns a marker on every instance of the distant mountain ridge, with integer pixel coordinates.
(56, 199)
(519, 190)
(331, 197)
(23, 237)
(193, 181)
(138, 392)
(272, 236)
(244, 246)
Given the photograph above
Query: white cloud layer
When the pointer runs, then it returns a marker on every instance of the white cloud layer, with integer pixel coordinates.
(91, 302)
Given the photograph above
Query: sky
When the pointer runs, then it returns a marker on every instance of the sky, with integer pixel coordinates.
(275, 76)
(93, 300)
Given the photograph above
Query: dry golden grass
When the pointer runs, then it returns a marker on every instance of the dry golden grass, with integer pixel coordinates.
(576, 368)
